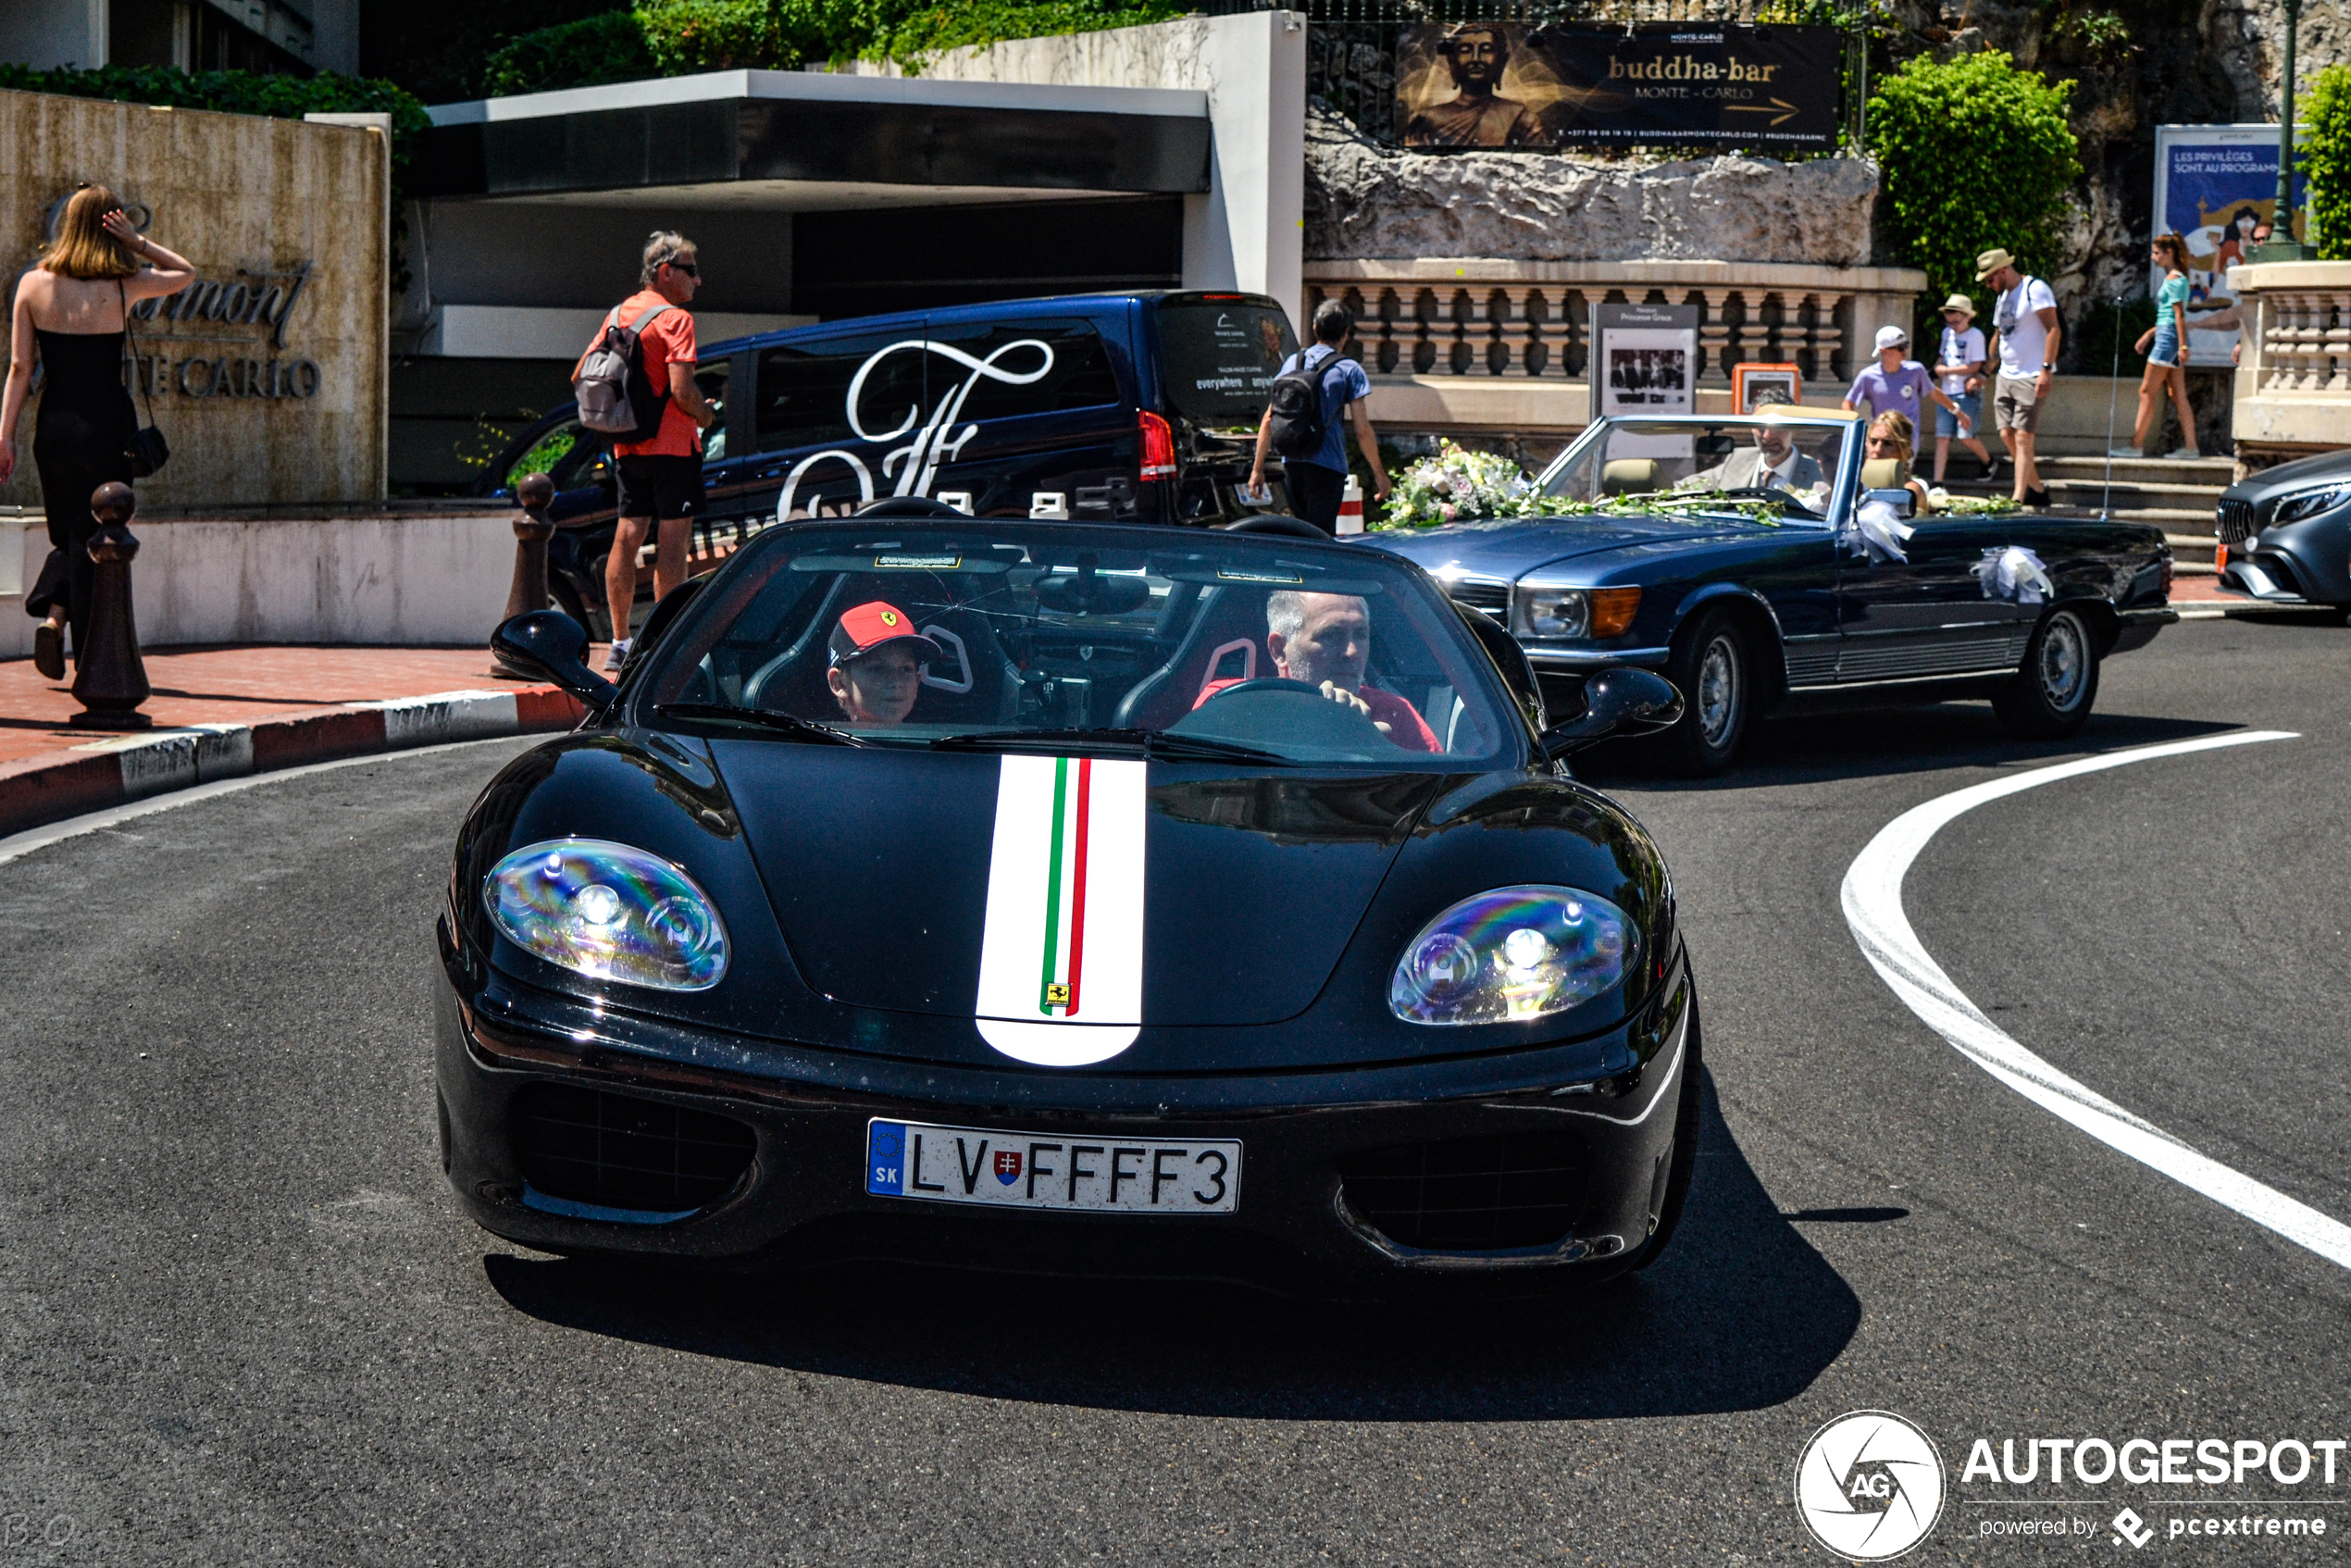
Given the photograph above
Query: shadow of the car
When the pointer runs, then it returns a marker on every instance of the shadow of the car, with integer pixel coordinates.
(1741, 1313)
(1818, 748)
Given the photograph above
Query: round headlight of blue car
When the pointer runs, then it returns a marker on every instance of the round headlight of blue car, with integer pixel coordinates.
(609, 911)
(1511, 955)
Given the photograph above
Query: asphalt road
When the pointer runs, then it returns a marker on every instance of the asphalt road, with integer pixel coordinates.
(242, 1322)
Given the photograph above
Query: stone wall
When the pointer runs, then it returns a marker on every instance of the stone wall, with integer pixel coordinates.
(270, 386)
(1364, 201)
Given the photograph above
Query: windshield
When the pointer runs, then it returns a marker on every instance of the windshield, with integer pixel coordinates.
(1028, 637)
(1759, 465)
(1220, 355)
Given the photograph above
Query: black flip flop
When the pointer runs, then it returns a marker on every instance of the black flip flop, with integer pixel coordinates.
(49, 651)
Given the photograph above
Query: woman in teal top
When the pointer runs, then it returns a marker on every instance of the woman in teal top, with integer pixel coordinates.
(2167, 365)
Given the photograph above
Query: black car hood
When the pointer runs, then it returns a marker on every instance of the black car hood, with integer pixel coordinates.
(877, 864)
(1508, 547)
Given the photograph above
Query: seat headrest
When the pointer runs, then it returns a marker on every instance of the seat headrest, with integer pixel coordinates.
(1884, 473)
(1632, 476)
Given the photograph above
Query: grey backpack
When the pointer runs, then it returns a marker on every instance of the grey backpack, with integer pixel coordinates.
(617, 397)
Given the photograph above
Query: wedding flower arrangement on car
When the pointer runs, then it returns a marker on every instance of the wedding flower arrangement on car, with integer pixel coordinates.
(1457, 484)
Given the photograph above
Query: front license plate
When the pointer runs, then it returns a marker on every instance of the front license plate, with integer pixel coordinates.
(1028, 1170)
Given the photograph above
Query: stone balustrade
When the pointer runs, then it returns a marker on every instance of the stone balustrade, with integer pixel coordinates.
(1531, 320)
(2294, 374)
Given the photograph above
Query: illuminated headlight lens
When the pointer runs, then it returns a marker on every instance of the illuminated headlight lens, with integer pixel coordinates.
(1554, 612)
(609, 911)
(2309, 503)
(1512, 954)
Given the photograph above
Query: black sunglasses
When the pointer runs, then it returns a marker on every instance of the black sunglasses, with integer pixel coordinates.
(688, 268)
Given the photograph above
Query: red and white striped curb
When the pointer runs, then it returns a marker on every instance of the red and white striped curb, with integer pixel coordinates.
(38, 791)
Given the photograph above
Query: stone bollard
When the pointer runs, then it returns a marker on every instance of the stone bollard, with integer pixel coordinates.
(532, 531)
(110, 680)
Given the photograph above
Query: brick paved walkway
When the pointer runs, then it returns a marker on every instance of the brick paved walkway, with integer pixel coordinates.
(240, 685)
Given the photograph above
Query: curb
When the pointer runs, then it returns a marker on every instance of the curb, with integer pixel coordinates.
(35, 791)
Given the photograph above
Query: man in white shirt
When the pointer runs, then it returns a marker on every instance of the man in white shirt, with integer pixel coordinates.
(2024, 321)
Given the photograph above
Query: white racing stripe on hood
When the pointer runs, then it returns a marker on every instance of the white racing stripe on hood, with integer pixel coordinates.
(1061, 967)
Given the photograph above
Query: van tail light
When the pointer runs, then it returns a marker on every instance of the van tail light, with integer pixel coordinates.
(1159, 447)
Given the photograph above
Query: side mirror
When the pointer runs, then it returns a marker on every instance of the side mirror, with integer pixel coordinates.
(551, 644)
(1618, 702)
(1904, 502)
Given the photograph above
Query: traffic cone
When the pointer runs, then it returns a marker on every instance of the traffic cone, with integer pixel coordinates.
(1350, 506)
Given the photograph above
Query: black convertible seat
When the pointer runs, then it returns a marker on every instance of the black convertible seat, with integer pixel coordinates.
(617, 1151)
(1468, 1194)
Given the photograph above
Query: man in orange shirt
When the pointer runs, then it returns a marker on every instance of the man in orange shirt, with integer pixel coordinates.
(661, 478)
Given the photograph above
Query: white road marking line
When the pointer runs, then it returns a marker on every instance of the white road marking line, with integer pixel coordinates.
(17, 845)
(1873, 900)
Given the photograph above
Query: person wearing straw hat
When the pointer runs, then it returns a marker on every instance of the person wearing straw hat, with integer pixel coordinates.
(1959, 362)
(2025, 329)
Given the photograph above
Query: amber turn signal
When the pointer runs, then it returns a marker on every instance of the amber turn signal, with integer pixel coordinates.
(1612, 610)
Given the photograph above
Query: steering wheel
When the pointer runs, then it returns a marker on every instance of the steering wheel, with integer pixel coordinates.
(1283, 683)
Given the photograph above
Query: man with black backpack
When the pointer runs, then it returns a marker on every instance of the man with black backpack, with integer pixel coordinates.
(1303, 423)
(636, 383)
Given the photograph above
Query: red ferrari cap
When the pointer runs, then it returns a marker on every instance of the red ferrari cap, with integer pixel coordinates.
(869, 626)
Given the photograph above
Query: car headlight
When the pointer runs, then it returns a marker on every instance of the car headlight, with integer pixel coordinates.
(2309, 503)
(609, 911)
(1575, 612)
(1512, 954)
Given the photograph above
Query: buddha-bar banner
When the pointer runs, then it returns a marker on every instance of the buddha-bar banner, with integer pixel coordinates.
(1510, 87)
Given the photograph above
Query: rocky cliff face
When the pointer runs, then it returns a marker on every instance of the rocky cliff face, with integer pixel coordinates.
(1365, 201)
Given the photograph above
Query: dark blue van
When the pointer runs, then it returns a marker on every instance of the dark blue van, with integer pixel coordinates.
(1126, 407)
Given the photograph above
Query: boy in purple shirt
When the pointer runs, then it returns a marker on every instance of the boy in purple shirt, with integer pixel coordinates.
(1896, 385)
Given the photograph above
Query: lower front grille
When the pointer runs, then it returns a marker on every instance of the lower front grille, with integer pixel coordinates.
(2235, 523)
(616, 1151)
(1468, 1194)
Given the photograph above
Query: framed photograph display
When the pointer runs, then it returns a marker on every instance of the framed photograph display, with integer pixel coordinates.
(1753, 385)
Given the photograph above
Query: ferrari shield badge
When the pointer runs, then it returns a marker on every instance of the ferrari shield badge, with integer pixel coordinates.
(1060, 967)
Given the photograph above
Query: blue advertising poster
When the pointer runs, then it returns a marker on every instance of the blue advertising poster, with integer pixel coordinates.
(2216, 186)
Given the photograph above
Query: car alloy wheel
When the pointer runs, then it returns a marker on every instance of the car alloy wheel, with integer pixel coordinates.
(1720, 684)
(2062, 662)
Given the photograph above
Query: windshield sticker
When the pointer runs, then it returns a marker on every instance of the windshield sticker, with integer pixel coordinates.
(1231, 574)
(1061, 964)
(917, 562)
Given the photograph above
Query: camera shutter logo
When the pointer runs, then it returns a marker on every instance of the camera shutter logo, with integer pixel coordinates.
(1869, 1486)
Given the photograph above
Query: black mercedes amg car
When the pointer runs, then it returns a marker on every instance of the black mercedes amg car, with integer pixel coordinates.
(1071, 897)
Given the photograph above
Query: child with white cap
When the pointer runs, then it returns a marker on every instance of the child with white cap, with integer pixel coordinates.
(1897, 384)
(1960, 362)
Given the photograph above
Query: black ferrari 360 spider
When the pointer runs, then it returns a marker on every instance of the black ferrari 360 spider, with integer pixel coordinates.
(1089, 898)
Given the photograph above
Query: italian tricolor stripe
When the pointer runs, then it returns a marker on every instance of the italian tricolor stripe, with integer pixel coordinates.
(1063, 951)
(1057, 995)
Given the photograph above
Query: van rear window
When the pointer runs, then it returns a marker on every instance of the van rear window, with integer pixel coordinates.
(1220, 357)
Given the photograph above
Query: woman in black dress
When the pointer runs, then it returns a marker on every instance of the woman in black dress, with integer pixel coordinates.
(72, 306)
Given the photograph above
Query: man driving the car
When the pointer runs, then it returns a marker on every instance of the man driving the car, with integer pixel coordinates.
(878, 659)
(1324, 640)
(1773, 463)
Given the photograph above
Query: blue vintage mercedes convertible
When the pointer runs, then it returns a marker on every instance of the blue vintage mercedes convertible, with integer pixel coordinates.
(1750, 560)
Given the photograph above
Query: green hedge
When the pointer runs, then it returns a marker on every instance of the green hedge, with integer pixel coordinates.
(680, 37)
(1973, 156)
(581, 54)
(2326, 161)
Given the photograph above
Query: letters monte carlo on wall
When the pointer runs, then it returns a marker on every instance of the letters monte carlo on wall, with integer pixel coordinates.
(268, 373)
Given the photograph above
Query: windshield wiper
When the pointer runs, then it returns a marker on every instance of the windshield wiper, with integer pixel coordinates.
(764, 719)
(1148, 743)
